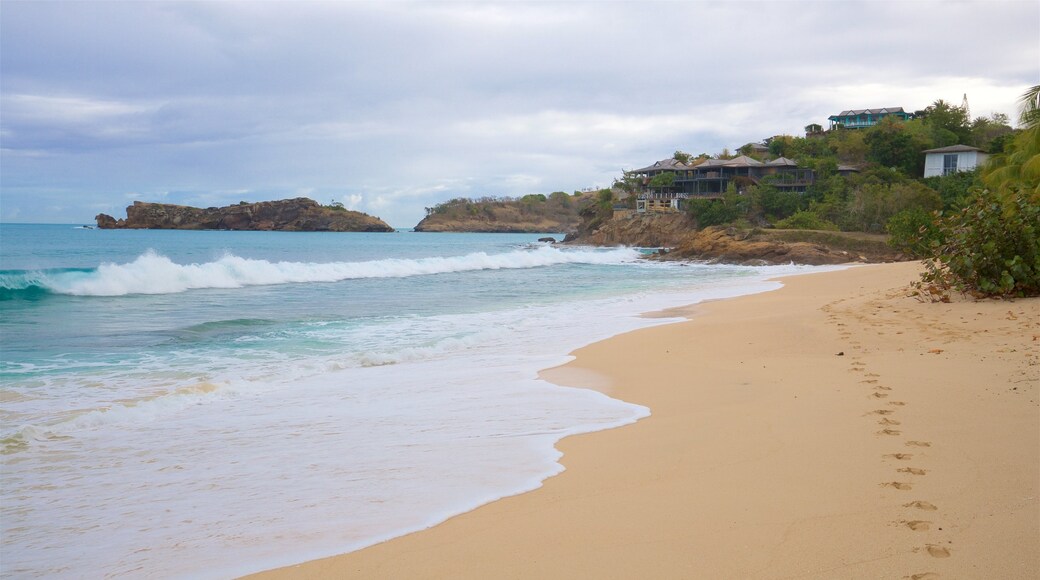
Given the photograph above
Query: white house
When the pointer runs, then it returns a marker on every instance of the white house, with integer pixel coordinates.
(947, 160)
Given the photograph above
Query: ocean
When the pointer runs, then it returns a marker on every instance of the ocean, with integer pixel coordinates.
(206, 404)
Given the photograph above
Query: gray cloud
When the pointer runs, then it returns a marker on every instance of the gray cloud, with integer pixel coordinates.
(395, 106)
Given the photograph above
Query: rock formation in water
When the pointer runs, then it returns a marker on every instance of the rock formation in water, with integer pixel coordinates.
(289, 215)
(732, 245)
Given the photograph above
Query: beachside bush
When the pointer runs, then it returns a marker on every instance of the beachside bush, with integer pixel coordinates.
(806, 220)
(989, 248)
(912, 231)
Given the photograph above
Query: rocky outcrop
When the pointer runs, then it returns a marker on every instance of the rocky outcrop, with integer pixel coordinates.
(729, 245)
(760, 247)
(643, 230)
(294, 215)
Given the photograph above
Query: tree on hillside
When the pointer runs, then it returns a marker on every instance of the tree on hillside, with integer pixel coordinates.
(682, 156)
(991, 247)
(891, 144)
(986, 130)
(780, 145)
(948, 124)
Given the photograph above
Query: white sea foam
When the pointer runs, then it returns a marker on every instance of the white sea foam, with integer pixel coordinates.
(152, 273)
(253, 455)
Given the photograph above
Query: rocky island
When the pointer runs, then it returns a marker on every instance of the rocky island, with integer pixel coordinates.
(288, 215)
(537, 213)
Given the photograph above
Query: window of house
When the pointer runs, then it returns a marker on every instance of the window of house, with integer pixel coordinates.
(949, 164)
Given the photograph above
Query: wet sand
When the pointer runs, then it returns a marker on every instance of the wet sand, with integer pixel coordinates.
(836, 428)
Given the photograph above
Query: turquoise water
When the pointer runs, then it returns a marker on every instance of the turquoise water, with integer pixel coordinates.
(214, 403)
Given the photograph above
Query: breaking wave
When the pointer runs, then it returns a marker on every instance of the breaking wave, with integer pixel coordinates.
(153, 273)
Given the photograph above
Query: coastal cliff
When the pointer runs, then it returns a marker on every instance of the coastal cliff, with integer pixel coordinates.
(731, 245)
(294, 215)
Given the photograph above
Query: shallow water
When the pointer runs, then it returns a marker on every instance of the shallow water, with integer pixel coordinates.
(192, 403)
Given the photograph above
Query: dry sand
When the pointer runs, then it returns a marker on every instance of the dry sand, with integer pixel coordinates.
(835, 428)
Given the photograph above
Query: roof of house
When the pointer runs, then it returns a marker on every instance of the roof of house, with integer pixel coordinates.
(952, 149)
(782, 162)
(663, 164)
(843, 167)
(742, 161)
(881, 111)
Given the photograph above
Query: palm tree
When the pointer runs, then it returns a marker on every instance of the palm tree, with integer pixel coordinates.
(1030, 107)
(1018, 168)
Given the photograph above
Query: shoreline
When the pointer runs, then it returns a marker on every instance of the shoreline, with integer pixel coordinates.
(832, 428)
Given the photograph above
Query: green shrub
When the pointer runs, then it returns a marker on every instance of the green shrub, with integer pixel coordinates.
(989, 248)
(912, 231)
(806, 220)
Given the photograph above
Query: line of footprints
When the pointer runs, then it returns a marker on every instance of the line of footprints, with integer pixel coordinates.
(890, 426)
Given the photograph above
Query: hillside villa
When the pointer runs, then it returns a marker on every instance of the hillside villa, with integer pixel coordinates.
(947, 160)
(709, 179)
(863, 118)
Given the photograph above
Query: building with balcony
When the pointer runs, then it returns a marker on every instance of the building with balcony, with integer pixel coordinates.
(863, 118)
(710, 178)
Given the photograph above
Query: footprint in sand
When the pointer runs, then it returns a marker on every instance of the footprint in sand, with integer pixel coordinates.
(887, 421)
(921, 505)
(879, 395)
(869, 381)
(918, 444)
(918, 525)
(881, 412)
(899, 456)
(896, 403)
(882, 388)
(872, 375)
(898, 485)
(923, 576)
(889, 432)
(912, 470)
(937, 551)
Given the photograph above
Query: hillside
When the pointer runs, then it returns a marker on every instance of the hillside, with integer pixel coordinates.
(557, 212)
(293, 215)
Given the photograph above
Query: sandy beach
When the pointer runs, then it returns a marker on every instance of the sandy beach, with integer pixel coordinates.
(836, 428)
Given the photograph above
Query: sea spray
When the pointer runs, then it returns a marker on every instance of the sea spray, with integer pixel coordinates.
(153, 273)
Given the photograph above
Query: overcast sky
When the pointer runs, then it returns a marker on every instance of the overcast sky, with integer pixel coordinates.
(390, 107)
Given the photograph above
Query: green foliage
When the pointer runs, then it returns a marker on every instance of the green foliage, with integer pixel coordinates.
(912, 231)
(773, 204)
(871, 205)
(682, 156)
(891, 143)
(989, 248)
(533, 198)
(806, 220)
(780, 145)
(663, 180)
(953, 189)
(713, 212)
(987, 133)
(948, 124)
(1029, 114)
